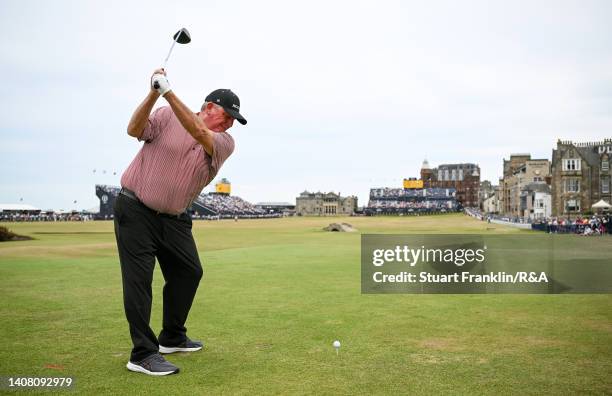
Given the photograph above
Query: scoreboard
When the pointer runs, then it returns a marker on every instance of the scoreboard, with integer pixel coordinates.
(410, 184)
(223, 187)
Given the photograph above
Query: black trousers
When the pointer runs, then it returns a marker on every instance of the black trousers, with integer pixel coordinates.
(143, 235)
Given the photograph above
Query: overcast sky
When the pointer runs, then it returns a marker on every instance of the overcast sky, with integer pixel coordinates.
(340, 96)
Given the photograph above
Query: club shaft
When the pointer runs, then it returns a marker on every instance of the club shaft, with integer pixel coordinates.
(169, 52)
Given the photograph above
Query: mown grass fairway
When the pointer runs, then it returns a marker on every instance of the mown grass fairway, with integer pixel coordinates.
(275, 295)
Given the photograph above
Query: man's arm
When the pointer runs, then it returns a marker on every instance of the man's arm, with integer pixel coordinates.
(191, 122)
(139, 119)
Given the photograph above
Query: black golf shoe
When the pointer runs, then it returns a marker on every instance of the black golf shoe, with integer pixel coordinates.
(186, 346)
(153, 365)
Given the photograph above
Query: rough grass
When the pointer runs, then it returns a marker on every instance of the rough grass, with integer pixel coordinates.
(275, 295)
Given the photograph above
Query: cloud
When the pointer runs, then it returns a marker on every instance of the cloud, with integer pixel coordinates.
(338, 94)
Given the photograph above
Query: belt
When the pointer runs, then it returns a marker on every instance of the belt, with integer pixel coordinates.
(131, 195)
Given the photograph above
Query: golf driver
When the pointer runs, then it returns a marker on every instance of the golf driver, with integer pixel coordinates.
(181, 37)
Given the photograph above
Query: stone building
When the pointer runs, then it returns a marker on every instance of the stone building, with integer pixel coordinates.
(324, 204)
(485, 190)
(536, 201)
(580, 176)
(464, 178)
(492, 204)
(519, 171)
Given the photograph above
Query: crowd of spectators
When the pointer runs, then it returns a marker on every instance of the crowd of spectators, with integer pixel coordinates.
(386, 193)
(581, 225)
(220, 207)
(587, 225)
(46, 216)
(226, 206)
(477, 213)
(410, 201)
(431, 205)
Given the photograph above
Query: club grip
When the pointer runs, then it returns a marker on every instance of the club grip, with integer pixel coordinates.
(156, 85)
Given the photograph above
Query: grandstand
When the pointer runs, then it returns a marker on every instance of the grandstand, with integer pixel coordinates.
(107, 196)
(205, 206)
(283, 208)
(408, 201)
(225, 206)
(222, 205)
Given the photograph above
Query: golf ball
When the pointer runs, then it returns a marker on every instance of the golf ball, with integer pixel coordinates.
(336, 344)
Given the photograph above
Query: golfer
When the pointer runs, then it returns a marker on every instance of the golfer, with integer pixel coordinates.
(182, 153)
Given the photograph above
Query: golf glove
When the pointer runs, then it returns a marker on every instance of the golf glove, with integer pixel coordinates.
(160, 83)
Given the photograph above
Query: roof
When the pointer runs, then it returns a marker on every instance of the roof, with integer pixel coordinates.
(274, 204)
(463, 165)
(4, 207)
(586, 151)
(538, 187)
(590, 155)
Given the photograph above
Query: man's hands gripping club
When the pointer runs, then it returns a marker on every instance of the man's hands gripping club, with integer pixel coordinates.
(159, 82)
(193, 123)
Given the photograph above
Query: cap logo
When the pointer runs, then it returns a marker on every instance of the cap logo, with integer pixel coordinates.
(235, 106)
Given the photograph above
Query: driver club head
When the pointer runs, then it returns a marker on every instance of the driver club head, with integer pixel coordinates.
(182, 36)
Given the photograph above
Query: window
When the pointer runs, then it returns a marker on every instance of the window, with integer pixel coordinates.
(572, 185)
(454, 174)
(572, 205)
(538, 179)
(571, 164)
(605, 165)
(605, 185)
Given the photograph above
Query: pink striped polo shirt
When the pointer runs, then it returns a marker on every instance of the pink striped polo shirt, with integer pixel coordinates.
(172, 168)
